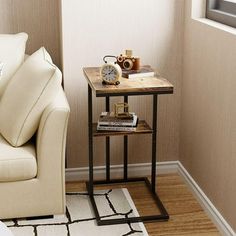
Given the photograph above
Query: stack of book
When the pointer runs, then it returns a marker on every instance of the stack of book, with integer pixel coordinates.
(144, 71)
(108, 122)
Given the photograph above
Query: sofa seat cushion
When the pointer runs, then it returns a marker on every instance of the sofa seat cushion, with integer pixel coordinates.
(12, 50)
(30, 90)
(17, 164)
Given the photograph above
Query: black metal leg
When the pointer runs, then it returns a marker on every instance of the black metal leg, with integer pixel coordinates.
(108, 144)
(125, 157)
(151, 185)
(160, 217)
(90, 137)
(154, 137)
(126, 150)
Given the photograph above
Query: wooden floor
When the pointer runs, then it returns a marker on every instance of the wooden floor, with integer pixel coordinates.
(186, 215)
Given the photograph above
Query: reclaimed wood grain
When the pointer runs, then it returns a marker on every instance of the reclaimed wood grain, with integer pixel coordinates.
(148, 85)
(142, 128)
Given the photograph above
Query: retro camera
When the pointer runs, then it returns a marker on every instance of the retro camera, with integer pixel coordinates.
(128, 62)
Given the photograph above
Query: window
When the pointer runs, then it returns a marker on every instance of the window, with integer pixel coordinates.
(223, 11)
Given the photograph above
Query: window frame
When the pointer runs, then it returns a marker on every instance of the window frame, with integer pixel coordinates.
(221, 11)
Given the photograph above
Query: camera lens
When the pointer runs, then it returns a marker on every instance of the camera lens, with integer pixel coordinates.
(128, 64)
(120, 59)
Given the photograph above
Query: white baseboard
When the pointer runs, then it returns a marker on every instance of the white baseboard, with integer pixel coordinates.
(204, 201)
(144, 169)
(134, 170)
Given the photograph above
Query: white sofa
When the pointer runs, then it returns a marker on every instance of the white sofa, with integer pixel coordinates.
(33, 124)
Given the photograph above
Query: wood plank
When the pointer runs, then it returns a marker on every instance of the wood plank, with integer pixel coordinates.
(142, 128)
(135, 86)
(186, 215)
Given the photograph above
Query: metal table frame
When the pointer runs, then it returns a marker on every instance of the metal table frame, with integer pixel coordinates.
(151, 185)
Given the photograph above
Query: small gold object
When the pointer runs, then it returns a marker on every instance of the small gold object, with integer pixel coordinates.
(121, 110)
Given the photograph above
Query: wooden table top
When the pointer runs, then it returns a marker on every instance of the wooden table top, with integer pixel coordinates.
(134, 86)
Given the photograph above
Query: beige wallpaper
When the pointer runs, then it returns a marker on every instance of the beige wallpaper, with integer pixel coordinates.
(208, 116)
(90, 31)
(38, 18)
(162, 49)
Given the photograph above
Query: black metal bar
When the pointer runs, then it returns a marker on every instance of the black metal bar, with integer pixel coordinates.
(125, 157)
(98, 94)
(90, 139)
(93, 203)
(160, 217)
(39, 217)
(157, 199)
(126, 149)
(154, 137)
(133, 220)
(107, 144)
(151, 185)
(116, 181)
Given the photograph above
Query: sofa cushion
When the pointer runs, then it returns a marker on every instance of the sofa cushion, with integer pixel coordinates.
(12, 50)
(17, 163)
(30, 90)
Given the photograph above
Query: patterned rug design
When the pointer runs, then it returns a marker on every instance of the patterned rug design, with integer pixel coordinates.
(79, 219)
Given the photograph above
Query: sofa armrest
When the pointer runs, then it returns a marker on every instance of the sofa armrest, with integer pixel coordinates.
(51, 139)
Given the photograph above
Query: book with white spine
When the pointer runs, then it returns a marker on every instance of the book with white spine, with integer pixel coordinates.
(115, 128)
(108, 119)
(143, 72)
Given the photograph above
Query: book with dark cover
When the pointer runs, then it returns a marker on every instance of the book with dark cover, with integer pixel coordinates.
(144, 71)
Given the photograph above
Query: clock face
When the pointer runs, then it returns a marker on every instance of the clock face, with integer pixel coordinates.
(109, 73)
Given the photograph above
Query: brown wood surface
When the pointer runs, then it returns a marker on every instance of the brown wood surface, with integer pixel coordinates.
(186, 215)
(148, 85)
(142, 128)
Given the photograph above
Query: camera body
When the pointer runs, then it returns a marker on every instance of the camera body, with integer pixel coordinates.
(128, 62)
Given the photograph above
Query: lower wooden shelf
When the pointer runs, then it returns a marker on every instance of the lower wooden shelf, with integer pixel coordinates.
(142, 128)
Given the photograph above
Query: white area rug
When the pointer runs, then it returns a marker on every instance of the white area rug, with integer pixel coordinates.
(79, 219)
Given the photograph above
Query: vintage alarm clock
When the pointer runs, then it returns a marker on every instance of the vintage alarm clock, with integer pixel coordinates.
(110, 72)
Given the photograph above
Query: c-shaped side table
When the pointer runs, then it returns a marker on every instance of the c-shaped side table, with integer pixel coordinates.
(127, 87)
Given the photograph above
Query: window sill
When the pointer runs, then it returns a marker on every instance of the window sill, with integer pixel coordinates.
(216, 25)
